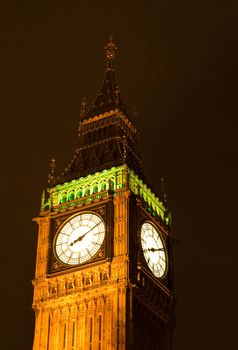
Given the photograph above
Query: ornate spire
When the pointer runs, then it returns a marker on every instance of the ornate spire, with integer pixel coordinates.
(107, 143)
(108, 96)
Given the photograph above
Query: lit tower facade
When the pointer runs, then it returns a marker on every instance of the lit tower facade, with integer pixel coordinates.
(104, 268)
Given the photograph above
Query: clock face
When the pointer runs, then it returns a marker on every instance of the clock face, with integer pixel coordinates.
(153, 249)
(79, 239)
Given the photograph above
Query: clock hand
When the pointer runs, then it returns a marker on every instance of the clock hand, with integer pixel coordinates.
(154, 249)
(81, 237)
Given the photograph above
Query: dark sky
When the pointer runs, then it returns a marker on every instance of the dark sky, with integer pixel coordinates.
(177, 64)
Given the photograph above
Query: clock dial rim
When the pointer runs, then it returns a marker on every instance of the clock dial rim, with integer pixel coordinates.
(159, 239)
(99, 239)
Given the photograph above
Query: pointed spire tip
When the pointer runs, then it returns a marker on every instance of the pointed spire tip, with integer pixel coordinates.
(83, 107)
(110, 49)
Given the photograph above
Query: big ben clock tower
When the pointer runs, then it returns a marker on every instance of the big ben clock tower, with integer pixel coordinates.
(104, 268)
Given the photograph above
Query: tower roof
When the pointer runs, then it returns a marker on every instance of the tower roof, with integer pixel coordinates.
(105, 141)
(108, 96)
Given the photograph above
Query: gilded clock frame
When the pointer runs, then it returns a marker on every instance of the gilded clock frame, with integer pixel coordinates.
(105, 213)
(63, 224)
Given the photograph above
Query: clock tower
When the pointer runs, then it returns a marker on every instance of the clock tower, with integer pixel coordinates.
(104, 265)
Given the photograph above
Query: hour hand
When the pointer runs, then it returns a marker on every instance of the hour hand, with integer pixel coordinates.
(154, 249)
(81, 237)
(77, 240)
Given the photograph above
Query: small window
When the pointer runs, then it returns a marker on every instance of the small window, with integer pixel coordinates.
(104, 186)
(87, 191)
(112, 184)
(71, 196)
(63, 198)
(80, 193)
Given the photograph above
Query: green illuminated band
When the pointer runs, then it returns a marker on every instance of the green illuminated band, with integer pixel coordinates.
(97, 185)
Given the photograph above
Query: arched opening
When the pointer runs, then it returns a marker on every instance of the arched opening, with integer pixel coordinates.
(87, 191)
(103, 186)
(71, 196)
(95, 188)
(80, 193)
(63, 198)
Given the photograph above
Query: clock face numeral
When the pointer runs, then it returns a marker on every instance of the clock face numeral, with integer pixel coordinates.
(79, 239)
(153, 249)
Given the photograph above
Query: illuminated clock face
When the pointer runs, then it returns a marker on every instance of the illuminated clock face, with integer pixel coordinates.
(153, 249)
(79, 239)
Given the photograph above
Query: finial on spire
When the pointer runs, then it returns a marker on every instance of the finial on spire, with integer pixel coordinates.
(52, 171)
(83, 108)
(163, 190)
(124, 147)
(110, 49)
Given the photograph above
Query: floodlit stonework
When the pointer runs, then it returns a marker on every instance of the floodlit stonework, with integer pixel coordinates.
(111, 299)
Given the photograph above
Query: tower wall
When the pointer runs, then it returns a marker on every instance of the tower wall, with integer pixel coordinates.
(83, 308)
(103, 293)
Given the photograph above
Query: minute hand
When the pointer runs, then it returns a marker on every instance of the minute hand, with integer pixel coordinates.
(81, 237)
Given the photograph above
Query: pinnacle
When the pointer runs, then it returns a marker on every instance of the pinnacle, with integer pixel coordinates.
(108, 96)
(110, 49)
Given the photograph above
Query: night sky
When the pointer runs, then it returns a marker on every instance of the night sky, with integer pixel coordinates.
(177, 64)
